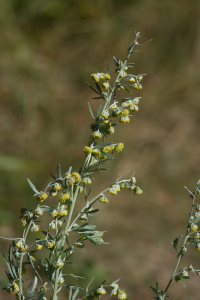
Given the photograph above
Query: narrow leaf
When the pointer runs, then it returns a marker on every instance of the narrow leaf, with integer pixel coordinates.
(126, 88)
(98, 87)
(98, 112)
(75, 294)
(87, 288)
(59, 171)
(93, 88)
(108, 69)
(90, 109)
(32, 186)
(175, 242)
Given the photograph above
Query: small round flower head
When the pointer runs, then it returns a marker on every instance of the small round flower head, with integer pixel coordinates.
(97, 76)
(60, 223)
(57, 186)
(133, 180)
(123, 186)
(197, 235)
(24, 211)
(58, 264)
(135, 86)
(193, 227)
(89, 297)
(139, 78)
(49, 243)
(122, 74)
(115, 285)
(23, 248)
(191, 219)
(71, 180)
(53, 193)
(68, 175)
(132, 79)
(184, 273)
(106, 149)
(80, 189)
(119, 147)
(106, 76)
(23, 271)
(101, 291)
(61, 280)
(113, 106)
(35, 228)
(121, 295)
(62, 211)
(178, 279)
(197, 214)
(83, 218)
(44, 287)
(137, 191)
(112, 191)
(86, 180)
(96, 152)
(52, 225)
(124, 119)
(105, 114)
(105, 85)
(125, 112)
(120, 87)
(79, 245)
(116, 187)
(77, 176)
(110, 131)
(38, 246)
(64, 197)
(39, 211)
(112, 147)
(103, 199)
(87, 150)
(190, 268)
(53, 213)
(42, 197)
(134, 108)
(97, 134)
(198, 208)
(15, 287)
(10, 290)
(197, 247)
(188, 240)
(23, 221)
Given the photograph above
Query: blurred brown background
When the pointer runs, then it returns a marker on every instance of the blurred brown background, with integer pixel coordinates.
(48, 49)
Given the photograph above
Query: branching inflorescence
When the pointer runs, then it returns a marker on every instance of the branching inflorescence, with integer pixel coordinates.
(67, 188)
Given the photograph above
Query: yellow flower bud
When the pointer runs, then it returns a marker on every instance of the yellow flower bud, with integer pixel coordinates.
(193, 227)
(77, 176)
(57, 186)
(87, 150)
(124, 119)
(64, 197)
(119, 147)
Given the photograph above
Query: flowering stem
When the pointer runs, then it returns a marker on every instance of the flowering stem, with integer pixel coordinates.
(89, 203)
(180, 255)
(21, 259)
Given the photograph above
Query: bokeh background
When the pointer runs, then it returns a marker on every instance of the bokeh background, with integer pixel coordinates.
(48, 49)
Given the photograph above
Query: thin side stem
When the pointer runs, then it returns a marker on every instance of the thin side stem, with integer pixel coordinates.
(180, 255)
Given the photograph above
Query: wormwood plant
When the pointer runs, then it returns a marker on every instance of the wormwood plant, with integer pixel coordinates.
(66, 189)
(65, 220)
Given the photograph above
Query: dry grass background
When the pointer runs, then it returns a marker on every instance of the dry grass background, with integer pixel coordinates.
(48, 49)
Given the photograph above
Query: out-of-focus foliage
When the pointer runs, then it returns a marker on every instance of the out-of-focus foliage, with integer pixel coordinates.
(48, 49)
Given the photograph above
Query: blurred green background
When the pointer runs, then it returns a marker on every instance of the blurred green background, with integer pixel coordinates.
(48, 49)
